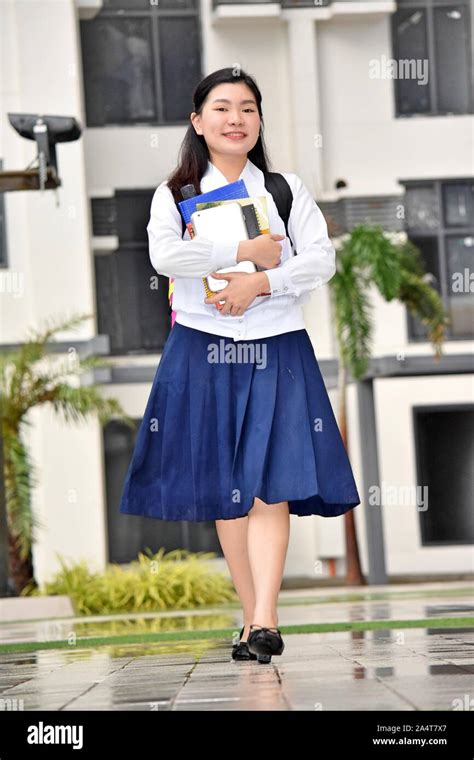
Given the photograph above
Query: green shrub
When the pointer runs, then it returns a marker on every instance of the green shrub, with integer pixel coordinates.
(177, 580)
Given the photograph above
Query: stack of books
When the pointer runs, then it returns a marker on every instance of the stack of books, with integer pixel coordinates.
(226, 215)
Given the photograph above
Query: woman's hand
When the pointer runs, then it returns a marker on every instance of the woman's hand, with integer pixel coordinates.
(263, 250)
(242, 289)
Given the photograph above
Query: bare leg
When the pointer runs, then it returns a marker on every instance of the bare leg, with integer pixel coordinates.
(233, 540)
(268, 538)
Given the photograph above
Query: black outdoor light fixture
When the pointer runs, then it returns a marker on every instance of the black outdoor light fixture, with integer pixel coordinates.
(46, 131)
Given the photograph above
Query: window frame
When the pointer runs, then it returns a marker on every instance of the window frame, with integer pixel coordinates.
(429, 6)
(416, 412)
(118, 335)
(440, 234)
(153, 13)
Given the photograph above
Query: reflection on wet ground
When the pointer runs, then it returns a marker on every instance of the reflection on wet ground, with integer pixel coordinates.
(172, 622)
(397, 669)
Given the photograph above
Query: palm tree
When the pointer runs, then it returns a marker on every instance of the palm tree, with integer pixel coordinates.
(370, 257)
(28, 378)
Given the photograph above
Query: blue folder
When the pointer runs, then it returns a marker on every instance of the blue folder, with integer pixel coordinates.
(231, 191)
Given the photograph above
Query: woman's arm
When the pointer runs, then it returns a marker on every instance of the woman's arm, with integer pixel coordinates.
(172, 256)
(315, 263)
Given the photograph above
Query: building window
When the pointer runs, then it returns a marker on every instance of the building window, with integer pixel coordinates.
(141, 62)
(132, 299)
(444, 452)
(440, 222)
(130, 534)
(432, 44)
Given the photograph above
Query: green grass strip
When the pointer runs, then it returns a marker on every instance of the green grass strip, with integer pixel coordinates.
(224, 633)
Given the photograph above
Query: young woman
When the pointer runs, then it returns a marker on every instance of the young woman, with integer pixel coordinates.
(238, 427)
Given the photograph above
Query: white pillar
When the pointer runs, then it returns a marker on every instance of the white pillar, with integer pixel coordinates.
(305, 108)
(49, 245)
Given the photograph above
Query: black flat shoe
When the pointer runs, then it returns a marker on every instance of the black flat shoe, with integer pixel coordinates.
(264, 642)
(241, 651)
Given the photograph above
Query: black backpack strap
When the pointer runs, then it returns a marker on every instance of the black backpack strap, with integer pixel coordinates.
(281, 192)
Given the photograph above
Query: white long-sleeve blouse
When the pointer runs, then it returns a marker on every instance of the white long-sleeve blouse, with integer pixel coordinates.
(189, 260)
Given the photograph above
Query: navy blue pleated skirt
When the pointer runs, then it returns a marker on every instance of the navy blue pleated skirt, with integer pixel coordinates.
(225, 424)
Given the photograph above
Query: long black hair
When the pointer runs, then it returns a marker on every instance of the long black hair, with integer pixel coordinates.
(194, 153)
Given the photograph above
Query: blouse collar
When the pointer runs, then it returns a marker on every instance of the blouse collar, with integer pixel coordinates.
(246, 172)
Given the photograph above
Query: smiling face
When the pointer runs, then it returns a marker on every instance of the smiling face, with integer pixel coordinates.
(229, 120)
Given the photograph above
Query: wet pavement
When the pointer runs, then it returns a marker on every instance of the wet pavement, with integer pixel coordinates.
(404, 668)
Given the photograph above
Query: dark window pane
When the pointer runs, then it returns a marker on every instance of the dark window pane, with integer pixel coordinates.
(451, 29)
(410, 43)
(459, 204)
(445, 448)
(180, 65)
(131, 5)
(130, 534)
(460, 263)
(118, 71)
(151, 4)
(421, 209)
(104, 216)
(133, 214)
(429, 254)
(177, 4)
(129, 310)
